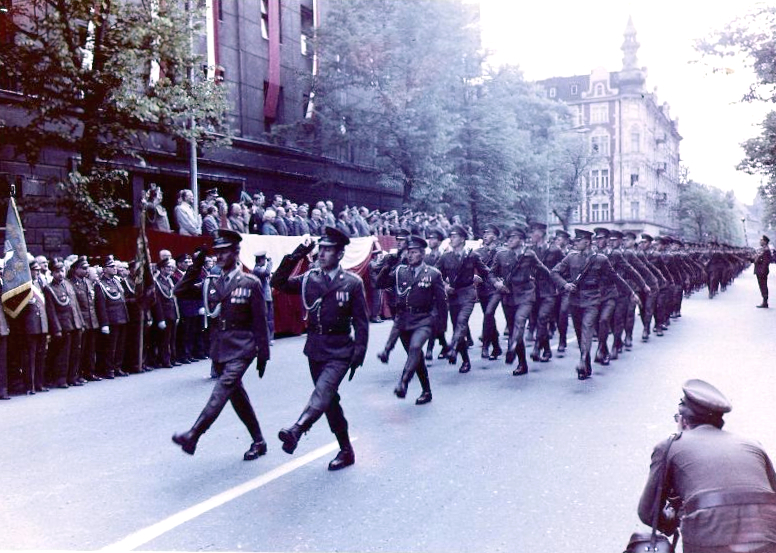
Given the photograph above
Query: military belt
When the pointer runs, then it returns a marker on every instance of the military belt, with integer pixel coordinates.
(329, 331)
(231, 325)
(709, 500)
(415, 310)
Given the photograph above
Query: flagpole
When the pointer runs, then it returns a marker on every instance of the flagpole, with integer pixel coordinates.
(141, 301)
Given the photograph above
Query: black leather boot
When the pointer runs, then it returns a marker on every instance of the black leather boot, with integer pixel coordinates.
(425, 385)
(188, 440)
(466, 366)
(522, 362)
(346, 455)
(401, 388)
(290, 436)
(257, 449)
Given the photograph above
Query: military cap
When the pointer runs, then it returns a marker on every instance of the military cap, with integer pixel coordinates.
(647, 237)
(226, 238)
(459, 230)
(212, 192)
(56, 263)
(703, 399)
(538, 226)
(402, 234)
(109, 261)
(766, 239)
(630, 234)
(664, 239)
(437, 233)
(616, 234)
(490, 227)
(333, 237)
(601, 232)
(182, 258)
(416, 242)
(261, 253)
(81, 263)
(516, 230)
(580, 234)
(560, 233)
(34, 265)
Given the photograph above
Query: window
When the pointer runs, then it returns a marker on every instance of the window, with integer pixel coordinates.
(265, 20)
(634, 179)
(635, 215)
(604, 212)
(573, 90)
(307, 27)
(220, 5)
(599, 145)
(635, 141)
(553, 92)
(595, 213)
(580, 116)
(599, 178)
(599, 89)
(604, 178)
(599, 113)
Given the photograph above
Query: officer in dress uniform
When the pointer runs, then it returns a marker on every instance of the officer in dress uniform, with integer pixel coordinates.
(513, 276)
(400, 257)
(33, 324)
(237, 319)
(487, 295)
(84, 293)
(113, 317)
(720, 487)
(166, 315)
(335, 302)
(461, 268)
(188, 314)
(546, 291)
(581, 273)
(65, 326)
(762, 262)
(420, 308)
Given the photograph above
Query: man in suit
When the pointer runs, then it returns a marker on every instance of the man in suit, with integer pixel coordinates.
(581, 273)
(65, 326)
(335, 302)
(237, 316)
(113, 316)
(719, 487)
(762, 261)
(189, 222)
(420, 308)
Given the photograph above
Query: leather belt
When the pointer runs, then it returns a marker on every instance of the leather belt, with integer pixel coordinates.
(709, 500)
(329, 331)
(231, 325)
(416, 310)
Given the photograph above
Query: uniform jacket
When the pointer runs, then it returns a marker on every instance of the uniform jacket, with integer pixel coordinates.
(657, 260)
(190, 302)
(332, 309)
(109, 302)
(644, 271)
(762, 261)
(459, 271)
(625, 270)
(588, 281)
(166, 304)
(420, 298)
(33, 318)
(237, 314)
(432, 257)
(488, 256)
(85, 295)
(549, 255)
(644, 258)
(263, 273)
(517, 269)
(704, 459)
(62, 309)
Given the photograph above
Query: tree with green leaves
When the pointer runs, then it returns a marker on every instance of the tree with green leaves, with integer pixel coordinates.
(707, 213)
(106, 80)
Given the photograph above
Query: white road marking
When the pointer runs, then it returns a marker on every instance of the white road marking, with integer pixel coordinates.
(152, 532)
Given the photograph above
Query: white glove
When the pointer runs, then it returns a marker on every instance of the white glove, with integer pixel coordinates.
(162, 325)
(105, 330)
(201, 311)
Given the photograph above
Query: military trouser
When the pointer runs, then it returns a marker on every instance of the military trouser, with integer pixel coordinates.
(544, 309)
(584, 319)
(88, 352)
(393, 337)
(762, 282)
(34, 361)
(518, 314)
(413, 341)
(325, 399)
(623, 305)
(113, 349)
(490, 335)
(229, 387)
(605, 317)
(461, 306)
(64, 351)
(647, 311)
(563, 318)
(661, 307)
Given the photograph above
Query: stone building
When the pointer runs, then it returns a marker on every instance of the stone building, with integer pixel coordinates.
(632, 176)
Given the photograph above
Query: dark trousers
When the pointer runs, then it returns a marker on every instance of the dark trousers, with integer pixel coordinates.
(229, 387)
(518, 314)
(662, 306)
(113, 349)
(563, 318)
(183, 338)
(413, 341)
(325, 399)
(88, 351)
(166, 343)
(647, 311)
(34, 362)
(621, 308)
(393, 337)
(60, 355)
(543, 311)
(762, 282)
(461, 306)
(133, 359)
(584, 319)
(270, 319)
(605, 316)
(3, 365)
(489, 306)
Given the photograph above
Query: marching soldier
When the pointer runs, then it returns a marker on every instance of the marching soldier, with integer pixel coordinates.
(237, 314)
(513, 276)
(562, 242)
(546, 291)
(113, 317)
(461, 268)
(488, 296)
(664, 294)
(65, 326)
(335, 301)
(638, 261)
(435, 236)
(762, 261)
(581, 273)
(84, 293)
(420, 308)
(400, 257)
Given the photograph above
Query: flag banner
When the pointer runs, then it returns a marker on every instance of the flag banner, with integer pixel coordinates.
(142, 263)
(17, 280)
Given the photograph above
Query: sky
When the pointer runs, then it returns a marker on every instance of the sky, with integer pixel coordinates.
(564, 38)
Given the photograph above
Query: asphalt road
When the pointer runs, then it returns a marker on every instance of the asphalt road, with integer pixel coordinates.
(541, 462)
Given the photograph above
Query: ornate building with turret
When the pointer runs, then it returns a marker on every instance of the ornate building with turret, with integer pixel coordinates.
(631, 180)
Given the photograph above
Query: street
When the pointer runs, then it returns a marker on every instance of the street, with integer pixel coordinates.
(542, 462)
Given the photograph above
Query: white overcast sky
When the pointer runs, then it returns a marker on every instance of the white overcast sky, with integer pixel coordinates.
(563, 38)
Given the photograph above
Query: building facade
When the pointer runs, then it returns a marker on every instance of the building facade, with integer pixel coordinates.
(258, 49)
(632, 177)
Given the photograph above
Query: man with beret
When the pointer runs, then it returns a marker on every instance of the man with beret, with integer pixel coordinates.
(237, 314)
(719, 487)
(65, 326)
(581, 273)
(113, 317)
(513, 276)
(335, 302)
(420, 309)
(762, 262)
(166, 315)
(461, 268)
(487, 295)
(546, 291)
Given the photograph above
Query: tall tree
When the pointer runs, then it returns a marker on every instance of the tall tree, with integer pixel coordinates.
(106, 80)
(707, 213)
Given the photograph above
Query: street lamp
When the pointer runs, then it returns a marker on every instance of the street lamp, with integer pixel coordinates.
(746, 238)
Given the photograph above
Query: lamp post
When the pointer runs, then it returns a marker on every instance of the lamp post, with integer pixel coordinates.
(746, 238)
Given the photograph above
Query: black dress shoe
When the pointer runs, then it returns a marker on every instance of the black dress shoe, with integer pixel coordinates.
(452, 357)
(444, 353)
(628, 342)
(429, 355)
(344, 458)
(93, 378)
(187, 441)
(581, 372)
(521, 369)
(383, 357)
(30, 392)
(423, 398)
(485, 353)
(256, 450)
(400, 391)
(63, 386)
(763, 306)
(605, 359)
(535, 354)
(615, 354)
(546, 356)
(510, 356)
(41, 389)
(290, 437)
(495, 354)
(561, 350)
(121, 373)
(465, 367)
